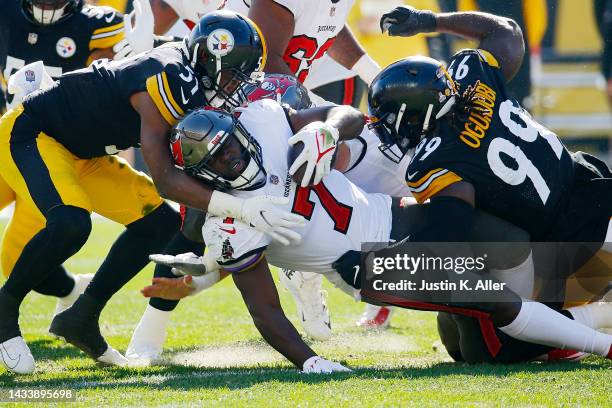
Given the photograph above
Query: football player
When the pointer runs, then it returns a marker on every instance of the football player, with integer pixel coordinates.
(475, 147)
(65, 35)
(336, 211)
(59, 176)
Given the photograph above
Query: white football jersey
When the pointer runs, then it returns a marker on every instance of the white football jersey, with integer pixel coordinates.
(317, 23)
(191, 11)
(340, 216)
(375, 173)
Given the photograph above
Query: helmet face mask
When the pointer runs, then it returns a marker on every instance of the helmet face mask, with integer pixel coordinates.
(213, 146)
(405, 101)
(48, 12)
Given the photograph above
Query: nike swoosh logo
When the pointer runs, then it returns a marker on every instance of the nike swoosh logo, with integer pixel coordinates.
(229, 231)
(8, 358)
(110, 17)
(410, 176)
(185, 101)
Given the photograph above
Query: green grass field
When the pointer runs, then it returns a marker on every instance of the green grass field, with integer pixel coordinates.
(214, 355)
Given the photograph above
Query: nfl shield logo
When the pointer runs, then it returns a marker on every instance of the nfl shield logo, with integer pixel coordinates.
(332, 12)
(29, 76)
(274, 179)
(32, 38)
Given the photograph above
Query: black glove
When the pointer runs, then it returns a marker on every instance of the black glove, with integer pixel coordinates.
(349, 266)
(406, 21)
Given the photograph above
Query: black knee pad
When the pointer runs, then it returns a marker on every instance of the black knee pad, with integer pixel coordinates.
(68, 228)
(161, 223)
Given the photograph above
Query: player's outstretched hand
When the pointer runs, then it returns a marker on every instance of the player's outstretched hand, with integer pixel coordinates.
(182, 264)
(140, 37)
(406, 21)
(169, 288)
(266, 214)
(320, 141)
(319, 365)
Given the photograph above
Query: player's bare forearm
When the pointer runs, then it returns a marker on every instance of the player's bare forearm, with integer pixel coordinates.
(260, 295)
(348, 120)
(346, 50)
(165, 16)
(499, 35)
(276, 24)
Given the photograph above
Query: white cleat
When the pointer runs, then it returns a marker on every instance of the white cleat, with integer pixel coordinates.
(148, 340)
(112, 357)
(305, 287)
(375, 317)
(16, 356)
(80, 284)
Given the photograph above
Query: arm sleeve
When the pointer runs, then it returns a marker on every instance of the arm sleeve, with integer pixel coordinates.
(108, 27)
(174, 91)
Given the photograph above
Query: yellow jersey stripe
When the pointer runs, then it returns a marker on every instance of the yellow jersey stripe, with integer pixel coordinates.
(154, 93)
(106, 42)
(115, 27)
(169, 96)
(423, 179)
(489, 58)
(436, 186)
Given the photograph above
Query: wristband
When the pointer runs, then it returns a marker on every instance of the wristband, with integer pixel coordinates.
(366, 68)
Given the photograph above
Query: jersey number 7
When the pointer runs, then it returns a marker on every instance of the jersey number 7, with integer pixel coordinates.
(338, 212)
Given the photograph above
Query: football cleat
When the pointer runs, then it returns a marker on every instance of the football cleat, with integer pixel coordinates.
(16, 356)
(375, 317)
(562, 355)
(305, 287)
(148, 340)
(78, 325)
(80, 284)
(112, 357)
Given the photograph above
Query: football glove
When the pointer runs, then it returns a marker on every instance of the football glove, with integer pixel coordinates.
(406, 21)
(320, 141)
(141, 36)
(319, 365)
(263, 213)
(182, 264)
(28, 79)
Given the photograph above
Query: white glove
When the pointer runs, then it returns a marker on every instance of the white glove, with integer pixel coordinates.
(320, 140)
(319, 365)
(185, 264)
(122, 50)
(263, 213)
(140, 37)
(28, 79)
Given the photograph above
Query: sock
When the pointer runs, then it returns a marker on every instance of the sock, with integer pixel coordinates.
(178, 245)
(152, 329)
(594, 315)
(520, 278)
(130, 252)
(537, 323)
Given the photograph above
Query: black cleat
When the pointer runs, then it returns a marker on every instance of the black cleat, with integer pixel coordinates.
(9, 320)
(78, 325)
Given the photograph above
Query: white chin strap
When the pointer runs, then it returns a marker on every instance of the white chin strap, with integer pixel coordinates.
(48, 16)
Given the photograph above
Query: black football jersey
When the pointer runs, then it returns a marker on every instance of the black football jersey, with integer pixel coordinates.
(63, 47)
(519, 169)
(89, 110)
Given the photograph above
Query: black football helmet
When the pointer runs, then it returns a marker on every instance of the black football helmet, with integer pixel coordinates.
(226, 49)
(201, 135)
(285, 89)
(406, 99)
(47, 12)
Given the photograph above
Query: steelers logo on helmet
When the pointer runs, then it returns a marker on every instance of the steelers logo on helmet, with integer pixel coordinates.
(65, 47)
(220, 42)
